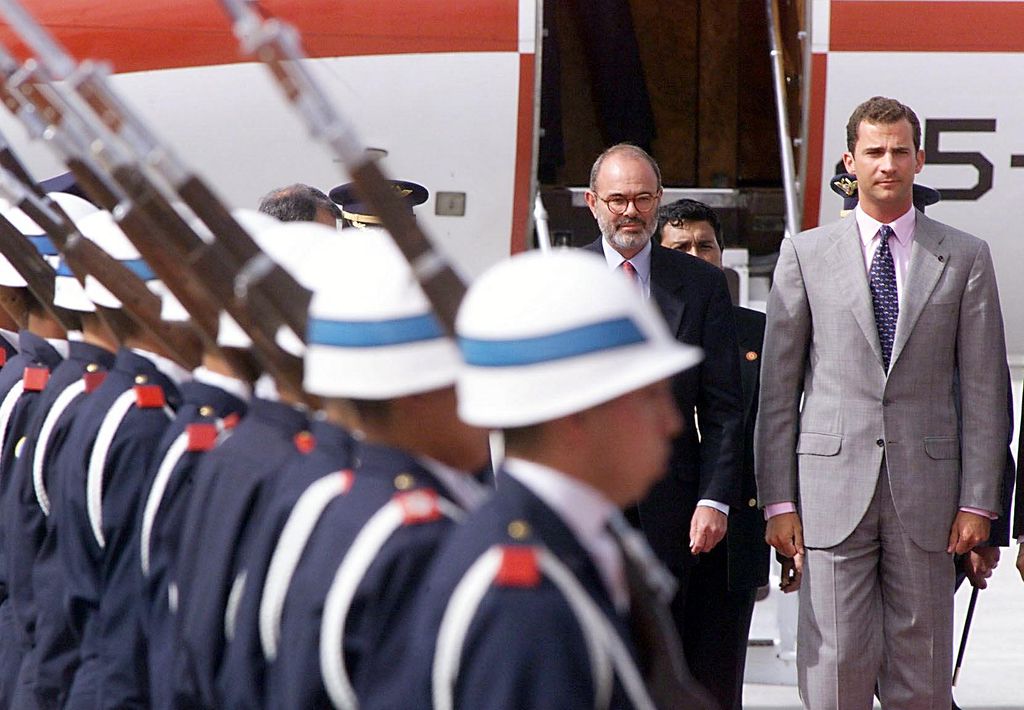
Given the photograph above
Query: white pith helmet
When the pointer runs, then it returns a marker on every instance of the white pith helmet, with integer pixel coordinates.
(547, 335)
(101, 229)
(372, 334)
(9, 276)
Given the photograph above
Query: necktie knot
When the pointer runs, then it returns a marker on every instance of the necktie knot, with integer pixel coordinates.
(630, 271)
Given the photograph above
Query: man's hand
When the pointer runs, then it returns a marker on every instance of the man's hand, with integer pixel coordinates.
(707, 528)
(792, 572)
(979, 563)
(969, 530)
(785, 534)
(1020, 561)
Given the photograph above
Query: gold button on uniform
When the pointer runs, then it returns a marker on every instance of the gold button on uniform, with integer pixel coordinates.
(206, 411)
(141, 379)
(752, 502)
(92, 367)
(518, 529)
(404, 481)
(751, 356)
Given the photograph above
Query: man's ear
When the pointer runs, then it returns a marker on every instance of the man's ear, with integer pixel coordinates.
(920, 161)
(591, 199)
(849, 163)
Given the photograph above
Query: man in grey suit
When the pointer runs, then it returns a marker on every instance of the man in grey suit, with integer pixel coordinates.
(865, 478)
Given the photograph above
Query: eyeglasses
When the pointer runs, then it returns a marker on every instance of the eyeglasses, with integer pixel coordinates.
(618, 204)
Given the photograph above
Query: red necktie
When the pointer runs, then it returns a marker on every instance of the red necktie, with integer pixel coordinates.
(630, 272)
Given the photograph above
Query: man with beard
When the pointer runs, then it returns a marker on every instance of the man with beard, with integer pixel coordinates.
(686, 513)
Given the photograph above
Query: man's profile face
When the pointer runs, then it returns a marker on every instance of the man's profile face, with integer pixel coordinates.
(885, 162)
(696, 238)
(624, 175)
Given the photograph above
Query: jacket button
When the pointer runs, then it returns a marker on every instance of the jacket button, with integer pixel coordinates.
(880, 442)
(752, 502)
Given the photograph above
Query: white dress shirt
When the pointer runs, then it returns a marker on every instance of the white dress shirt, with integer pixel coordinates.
(465, 491)
(231, 385)
(900, 247)
(170, 369)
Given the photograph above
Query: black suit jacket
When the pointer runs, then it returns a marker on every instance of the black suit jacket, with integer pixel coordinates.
(693, 298)
(748, 551)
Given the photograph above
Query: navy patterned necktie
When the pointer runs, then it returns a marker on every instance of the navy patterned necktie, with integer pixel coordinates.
(884, 296)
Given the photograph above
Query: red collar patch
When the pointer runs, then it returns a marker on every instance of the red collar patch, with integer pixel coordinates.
(419, 506)
(231, 420)
(34, 378)
(202, 436)
(149, 396)
(519, 567)
(304, 441)
(93, 380)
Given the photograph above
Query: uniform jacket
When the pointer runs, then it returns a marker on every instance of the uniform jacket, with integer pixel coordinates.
(226, 489)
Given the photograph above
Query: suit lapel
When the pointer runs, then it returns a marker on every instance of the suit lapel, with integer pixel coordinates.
(665, 289)
(846, 259)
(928, 259)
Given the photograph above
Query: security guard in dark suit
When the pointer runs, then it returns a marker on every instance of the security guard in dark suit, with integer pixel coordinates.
(722, 596)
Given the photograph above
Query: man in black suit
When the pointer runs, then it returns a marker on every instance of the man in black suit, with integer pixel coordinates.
(1018, 506)
(685, 515)
(731, 573)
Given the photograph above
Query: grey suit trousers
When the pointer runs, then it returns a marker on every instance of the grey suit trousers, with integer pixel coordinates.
(877, 573)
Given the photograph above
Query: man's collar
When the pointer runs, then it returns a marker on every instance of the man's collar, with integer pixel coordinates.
(903, 225)
(641, 260)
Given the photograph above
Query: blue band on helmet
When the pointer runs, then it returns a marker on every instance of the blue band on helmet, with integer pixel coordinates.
(370, 334)
(64, 270)
(43, 245)
(140, 268)
(584, 340)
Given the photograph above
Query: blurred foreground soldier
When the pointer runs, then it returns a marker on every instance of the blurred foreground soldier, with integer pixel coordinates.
(102, 468)
(300, 203)
(686, 513)
(335, 609)
(42, 346)
(722, 595)
(864, 457)
(357, 213)
(545, 597)
(39, 424)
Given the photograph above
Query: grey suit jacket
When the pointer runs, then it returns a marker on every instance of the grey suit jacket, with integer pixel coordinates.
(821, 344)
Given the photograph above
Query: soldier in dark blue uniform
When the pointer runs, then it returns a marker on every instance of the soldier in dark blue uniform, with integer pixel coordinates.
(29, 500)
(42, 347)
(545, 597)
(229, 492)
(374, 341)
(108, 448)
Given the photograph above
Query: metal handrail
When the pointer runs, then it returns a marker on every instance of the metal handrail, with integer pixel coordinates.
(790, 180)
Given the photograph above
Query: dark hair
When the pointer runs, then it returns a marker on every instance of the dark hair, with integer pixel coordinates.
(633, 150)
(881, 111)
(687, 210)
(297, 203)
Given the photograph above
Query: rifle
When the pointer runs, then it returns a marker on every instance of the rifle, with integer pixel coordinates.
(277, 44)
(89, 80)
(193, 268)
(84, 257)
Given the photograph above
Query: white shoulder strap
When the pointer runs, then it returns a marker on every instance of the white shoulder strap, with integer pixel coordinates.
(367, 544)
(288, 551)
(174, 453)
(7, 408)
(98, 460)
(234, 600)
(60, 404)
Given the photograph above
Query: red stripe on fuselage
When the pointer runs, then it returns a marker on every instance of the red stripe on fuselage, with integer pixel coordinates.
(162, 34)
(926, 26)
(816, 140)
(521, 203)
